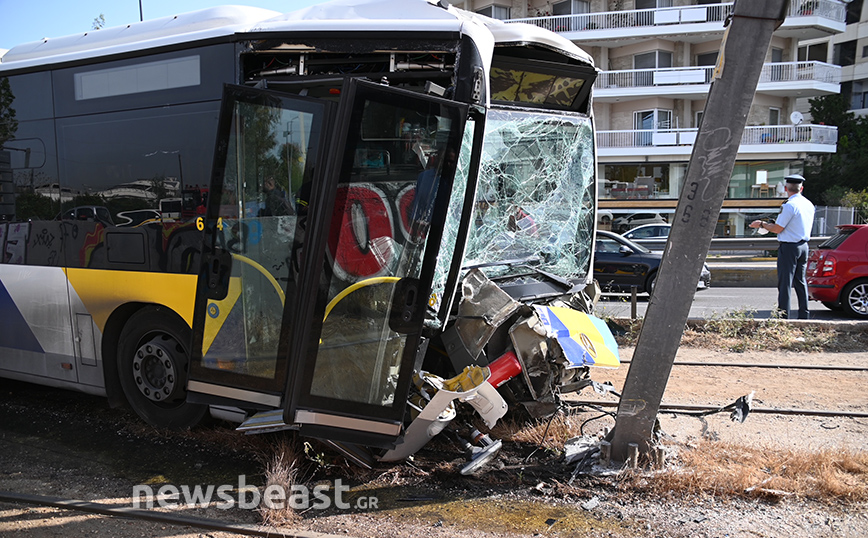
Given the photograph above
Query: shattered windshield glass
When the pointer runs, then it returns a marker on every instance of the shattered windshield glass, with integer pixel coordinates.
(535, 197)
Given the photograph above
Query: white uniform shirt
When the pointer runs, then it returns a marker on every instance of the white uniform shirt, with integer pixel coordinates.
(797, 219)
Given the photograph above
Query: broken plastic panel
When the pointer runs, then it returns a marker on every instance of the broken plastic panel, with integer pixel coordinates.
(435, 407)
(535, 197)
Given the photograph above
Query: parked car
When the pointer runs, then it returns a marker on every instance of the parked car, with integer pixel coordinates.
(620, 264)
(838, 271)
(604, 216)
(648, 231)
(622, 224)
(88, 213)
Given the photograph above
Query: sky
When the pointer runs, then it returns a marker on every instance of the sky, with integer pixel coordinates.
(23, 21)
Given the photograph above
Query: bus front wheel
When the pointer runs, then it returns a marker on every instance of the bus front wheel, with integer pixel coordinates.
(153, 362)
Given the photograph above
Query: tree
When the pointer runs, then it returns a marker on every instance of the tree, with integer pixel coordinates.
(859, 200)
(831, 176)
(8, 123)
(98, 22)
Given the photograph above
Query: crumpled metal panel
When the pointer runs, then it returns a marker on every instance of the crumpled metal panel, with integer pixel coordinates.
(483, 308)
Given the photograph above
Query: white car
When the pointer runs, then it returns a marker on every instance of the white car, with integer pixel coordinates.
(648, 231)
(622, 224)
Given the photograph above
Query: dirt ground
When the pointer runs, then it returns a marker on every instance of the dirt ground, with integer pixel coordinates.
(525, 493)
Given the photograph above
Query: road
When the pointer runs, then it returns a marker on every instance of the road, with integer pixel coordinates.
(716, 302)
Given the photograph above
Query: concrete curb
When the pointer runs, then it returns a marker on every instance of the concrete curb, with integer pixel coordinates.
(843, 326)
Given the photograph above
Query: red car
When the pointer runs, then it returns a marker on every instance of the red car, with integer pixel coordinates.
(838, 271)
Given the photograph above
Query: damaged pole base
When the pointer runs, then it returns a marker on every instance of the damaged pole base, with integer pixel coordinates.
(658, 456)
(605, 453)
(633, 455)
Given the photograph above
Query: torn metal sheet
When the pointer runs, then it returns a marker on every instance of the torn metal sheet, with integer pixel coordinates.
(483, 308)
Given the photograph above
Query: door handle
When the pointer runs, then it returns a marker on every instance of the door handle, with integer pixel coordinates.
(407, 306)
(217, 271)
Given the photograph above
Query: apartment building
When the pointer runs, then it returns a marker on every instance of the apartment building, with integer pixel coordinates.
(849, 50)
(656, 59)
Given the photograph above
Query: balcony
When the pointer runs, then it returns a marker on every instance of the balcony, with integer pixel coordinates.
(806, 79)
(807, 19)
(775, 139)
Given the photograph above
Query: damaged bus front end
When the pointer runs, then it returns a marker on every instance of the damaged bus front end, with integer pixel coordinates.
(439, 246)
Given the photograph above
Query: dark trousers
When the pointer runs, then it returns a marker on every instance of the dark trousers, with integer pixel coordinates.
(792, 263)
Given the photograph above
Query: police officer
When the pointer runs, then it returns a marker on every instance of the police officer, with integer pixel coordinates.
(793, 227)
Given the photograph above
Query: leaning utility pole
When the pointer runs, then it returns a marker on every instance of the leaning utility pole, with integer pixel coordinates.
(738, 69)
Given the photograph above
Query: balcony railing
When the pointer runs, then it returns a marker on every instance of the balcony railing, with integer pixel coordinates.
(637, 18)
(674, 76)
(674, 16)
(793, 71)
(828, 9)
(753, 135)
(639, 78)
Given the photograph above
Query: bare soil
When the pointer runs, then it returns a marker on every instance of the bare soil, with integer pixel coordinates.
(67, 445)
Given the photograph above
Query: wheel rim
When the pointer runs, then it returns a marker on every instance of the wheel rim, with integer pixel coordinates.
(858, 299)
(154, 370)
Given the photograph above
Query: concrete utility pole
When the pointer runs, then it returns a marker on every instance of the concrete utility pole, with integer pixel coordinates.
(741, 59)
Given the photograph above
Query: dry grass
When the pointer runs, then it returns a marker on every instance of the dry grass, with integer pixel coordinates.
(728, 470)
(718, 468)
(740, 332)
(550, 434)
(282, 469)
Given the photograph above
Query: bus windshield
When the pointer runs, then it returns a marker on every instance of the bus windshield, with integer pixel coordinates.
(535, 197)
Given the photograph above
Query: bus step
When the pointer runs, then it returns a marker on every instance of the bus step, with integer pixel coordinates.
(265, 422)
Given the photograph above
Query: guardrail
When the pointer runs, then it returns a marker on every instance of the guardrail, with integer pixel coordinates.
(758, 243)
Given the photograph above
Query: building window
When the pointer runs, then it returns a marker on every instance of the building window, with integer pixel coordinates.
(650, 60)
(571, 7)
(495, 12)
(859, 95)
(844, 54)
(646, 121)
(814, 53)
(774, 116)
(854, 12)
(653, 59)
(652, 4)
(698, 119)
(709, 58)
(652, 119)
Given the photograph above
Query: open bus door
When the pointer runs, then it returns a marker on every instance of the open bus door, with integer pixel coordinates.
(322, 234)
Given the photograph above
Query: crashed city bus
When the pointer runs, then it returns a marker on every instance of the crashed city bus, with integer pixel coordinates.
(399, 219)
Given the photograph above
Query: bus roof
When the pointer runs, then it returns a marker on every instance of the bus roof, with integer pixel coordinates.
(226, 21)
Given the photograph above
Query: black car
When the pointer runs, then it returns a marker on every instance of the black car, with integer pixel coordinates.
(620, 264)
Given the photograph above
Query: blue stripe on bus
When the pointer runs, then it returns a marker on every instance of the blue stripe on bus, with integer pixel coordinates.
(15, 333)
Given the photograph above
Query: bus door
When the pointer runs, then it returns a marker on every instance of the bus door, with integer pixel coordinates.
(346, 314)
(267, 156)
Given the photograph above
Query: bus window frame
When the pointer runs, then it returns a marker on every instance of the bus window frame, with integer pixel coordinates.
(209, 377)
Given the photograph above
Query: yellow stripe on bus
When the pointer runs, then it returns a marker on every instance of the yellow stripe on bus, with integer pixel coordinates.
(102, 291)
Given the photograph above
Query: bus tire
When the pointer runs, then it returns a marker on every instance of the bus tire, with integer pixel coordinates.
(153, 364)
